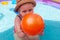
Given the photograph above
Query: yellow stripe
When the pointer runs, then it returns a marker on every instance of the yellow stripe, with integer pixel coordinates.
(4, 3)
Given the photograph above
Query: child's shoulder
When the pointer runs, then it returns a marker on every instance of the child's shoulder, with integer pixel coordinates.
(17, 18)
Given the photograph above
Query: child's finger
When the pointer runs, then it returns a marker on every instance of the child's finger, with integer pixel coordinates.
(21, 34)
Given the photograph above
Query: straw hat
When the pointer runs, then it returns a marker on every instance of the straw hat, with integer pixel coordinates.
(21, 2)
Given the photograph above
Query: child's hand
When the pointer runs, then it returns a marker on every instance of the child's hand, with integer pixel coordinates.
(21, 34)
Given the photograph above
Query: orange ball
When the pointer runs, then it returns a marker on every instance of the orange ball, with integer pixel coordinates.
(32, 24)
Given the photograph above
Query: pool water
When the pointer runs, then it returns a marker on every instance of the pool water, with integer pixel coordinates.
(50, 15)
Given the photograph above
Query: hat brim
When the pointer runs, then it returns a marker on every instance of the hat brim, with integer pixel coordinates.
(24, 2)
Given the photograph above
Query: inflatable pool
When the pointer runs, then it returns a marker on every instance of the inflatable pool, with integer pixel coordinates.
(50, 14)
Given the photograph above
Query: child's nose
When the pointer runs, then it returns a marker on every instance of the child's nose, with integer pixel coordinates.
(28, 12)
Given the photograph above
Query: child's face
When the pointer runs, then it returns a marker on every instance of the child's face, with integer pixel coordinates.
(26, 8)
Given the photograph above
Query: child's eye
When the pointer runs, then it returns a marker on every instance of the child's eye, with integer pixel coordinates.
(30, 9)
(24, 11)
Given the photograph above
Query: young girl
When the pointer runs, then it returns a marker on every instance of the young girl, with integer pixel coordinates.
(23, 7)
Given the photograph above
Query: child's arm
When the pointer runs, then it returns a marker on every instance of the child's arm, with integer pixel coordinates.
(17, 27)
